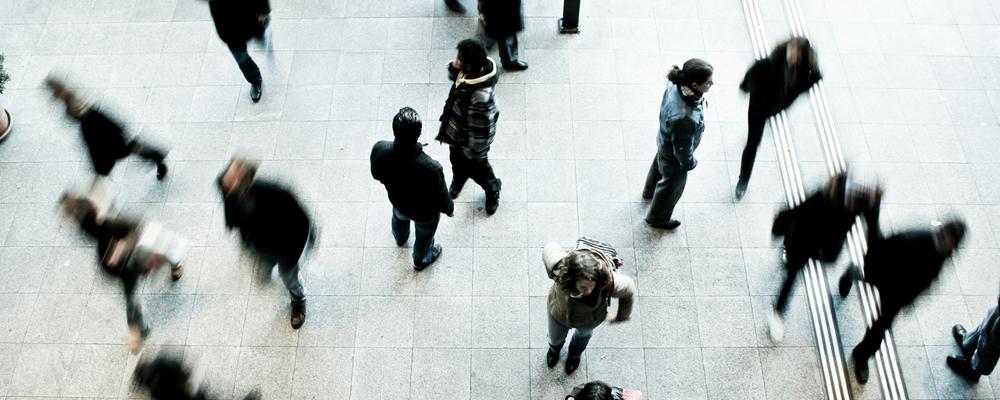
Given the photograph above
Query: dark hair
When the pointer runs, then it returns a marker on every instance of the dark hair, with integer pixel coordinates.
(582, 264)
(406, 125)
(695, 71)
(595, 390)
(807, 53)
(472, 54)
(955, 228)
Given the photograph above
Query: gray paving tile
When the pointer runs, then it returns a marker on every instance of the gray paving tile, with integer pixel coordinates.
(439, 373)
(500, 371)
(442, 322)
(726, 321)
(919, 381)
(385, 322)
(331, 321)
(669, 322)
(220, 364)
(499, 322)
(268, 369)
(217, 320)
(552, 383)
(733, 373)
(791, 372)
(41, 370)
(319, 371)
(381, 373)
(94, 372)
(501, 271)
(552, 222)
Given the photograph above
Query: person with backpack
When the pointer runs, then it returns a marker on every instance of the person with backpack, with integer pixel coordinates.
(980, 349)
(597, 390)
(584, 281)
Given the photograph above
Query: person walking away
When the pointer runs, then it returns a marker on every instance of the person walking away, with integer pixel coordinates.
(773, 84)
(272, 222)
(237, 22)
(817, 228)
(597, 390)
(584, 281)
(901, 267)
(105, 138)
(681, 127)
(502, 20)
(980, 349)
(415, 184)
(469, 119)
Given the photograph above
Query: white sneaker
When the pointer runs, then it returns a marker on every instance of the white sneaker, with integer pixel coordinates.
(777, 330)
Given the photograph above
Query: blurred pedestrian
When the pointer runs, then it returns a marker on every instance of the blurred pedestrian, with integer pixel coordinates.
(773, 84)
(469, 121)
(273, 223)
(817, 228)
(415, 184)
(105, 138)
(585, 280)
(502, 21)
(166, 378)
(597, 390)
(681, 127)
(130, 251)
(237, 22)
(901, 267)
(980, 348)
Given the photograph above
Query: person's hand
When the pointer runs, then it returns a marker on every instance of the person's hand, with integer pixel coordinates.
(262, 17)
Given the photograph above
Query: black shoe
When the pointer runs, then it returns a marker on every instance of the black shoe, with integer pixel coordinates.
(161, 171)
(571, 365)
(298, 315)
(492, 202)
(401, 243)
(455, 6)
(962, 367)
(860, 367)
(516, 65)
(551, 358)
(669, 225)
(435, 253)
(256, 91)
(253, 395)
(741, 189)
(958, 332)
(847, 279)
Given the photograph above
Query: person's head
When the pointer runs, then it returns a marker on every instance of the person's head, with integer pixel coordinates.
(696, 75)
(595, 390)
(583, 272)
(238, 176)
(76, 207)
(948, 235)
(471, 55)
(795, 50)
(406, 125)
(76, 106)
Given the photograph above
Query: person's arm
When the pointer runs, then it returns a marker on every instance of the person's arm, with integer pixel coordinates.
(551, 255)
(752, 78)
(481, 119)
(448, 204)
(624, 291)
(683, 142)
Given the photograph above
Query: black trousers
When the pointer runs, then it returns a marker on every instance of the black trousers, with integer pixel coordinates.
(480, 170)
(796, 261)
(508, 49)
(873, 336)
(755, 133)
(251, 72)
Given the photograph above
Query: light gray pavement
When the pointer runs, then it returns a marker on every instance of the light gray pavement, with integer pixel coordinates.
(914, 96)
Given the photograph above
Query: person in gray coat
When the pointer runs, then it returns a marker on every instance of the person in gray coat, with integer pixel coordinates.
(681, 126)
(585, 280)
(980, 348)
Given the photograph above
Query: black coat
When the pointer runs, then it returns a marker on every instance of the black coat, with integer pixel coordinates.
(236, 20)
(502, 17)
(414, 181)
(166, 379)
(817, 227)
(767, 83)
(902, 265)
(271, 221)
(105, 139)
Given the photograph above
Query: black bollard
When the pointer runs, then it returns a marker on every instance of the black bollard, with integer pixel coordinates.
(570, 22)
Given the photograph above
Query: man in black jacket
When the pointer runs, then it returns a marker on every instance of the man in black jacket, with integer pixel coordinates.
(816, 229)
(272, 223)
(502, 21)
(468, 122)
(238, 21)
(416, 187)
(901, 266)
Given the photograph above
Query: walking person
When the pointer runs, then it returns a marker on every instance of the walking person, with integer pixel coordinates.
(502, 20)
(901, 267)
(130, 251)
(597, 390)
(237, 22)
(469, 121)
(980, 349)
(166, 378)
(681, 127)
(584, 281)
(105, 138)
(817, 228)
(273, 223)
(416, 187)
(773, 83)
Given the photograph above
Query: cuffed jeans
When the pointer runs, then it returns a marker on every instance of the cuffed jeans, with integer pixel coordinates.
(665, 183)
(984, 354)
(557, 337)
(423, 244)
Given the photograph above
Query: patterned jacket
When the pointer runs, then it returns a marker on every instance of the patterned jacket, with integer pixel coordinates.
(470, 114)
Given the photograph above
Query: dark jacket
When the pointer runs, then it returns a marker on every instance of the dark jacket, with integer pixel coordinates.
(470, 114)
(165, 378)
(105, 139)
(681, 126)
(817, 227)
(414, 181)
(236, 20)
(107, 233)
(903, 265)
(767, 82)
(501, 18)
(271, 221)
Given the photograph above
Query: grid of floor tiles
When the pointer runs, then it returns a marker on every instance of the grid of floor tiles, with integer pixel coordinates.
(575, 138)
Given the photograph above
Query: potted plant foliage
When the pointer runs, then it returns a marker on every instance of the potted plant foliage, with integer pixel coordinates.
(5, 121)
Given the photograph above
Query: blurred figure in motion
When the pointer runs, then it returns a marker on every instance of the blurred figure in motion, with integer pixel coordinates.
(817, 228)
(980, 348)
(130, 250)
(501, 19)
(597, 390)
(105, 138)
(681, 126)
(773, 84)
(584, 281)
(455, 5)
(901, 267)
(237, 22)
(272, 222)
(416, 187)
(166, 378)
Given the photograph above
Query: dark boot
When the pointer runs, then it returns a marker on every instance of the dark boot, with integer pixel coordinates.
(435, 254)
(552, 357)
(571, 365)
(961, 366)
(516, 65)
(852, 274)
(493, 200)
(455, 6)
(298, 315)
(455, 188)
(861, 371)
(161, 170)
(669, 225)
(958, 332)
(741, 189)
(256, 91)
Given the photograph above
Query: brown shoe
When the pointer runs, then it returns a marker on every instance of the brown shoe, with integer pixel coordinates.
(176, 273)
(298, 315)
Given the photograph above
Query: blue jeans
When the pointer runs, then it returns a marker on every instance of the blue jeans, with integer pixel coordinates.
(977, 343)
(423, 244)
(557, 337)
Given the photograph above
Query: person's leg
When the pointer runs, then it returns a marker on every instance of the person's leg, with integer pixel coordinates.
(482, 173)
(557, 334)
(755, 133)
(984, 354)
(581, 337)
(873, 338)
(668, 191)
(249, 68)
(400, 227)
(459, 170)
(792, 268)
(423, 244)
(508, 54)
(290, 275)
(138, 330)
(151, 153)
(503, 46)
(652, 178)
